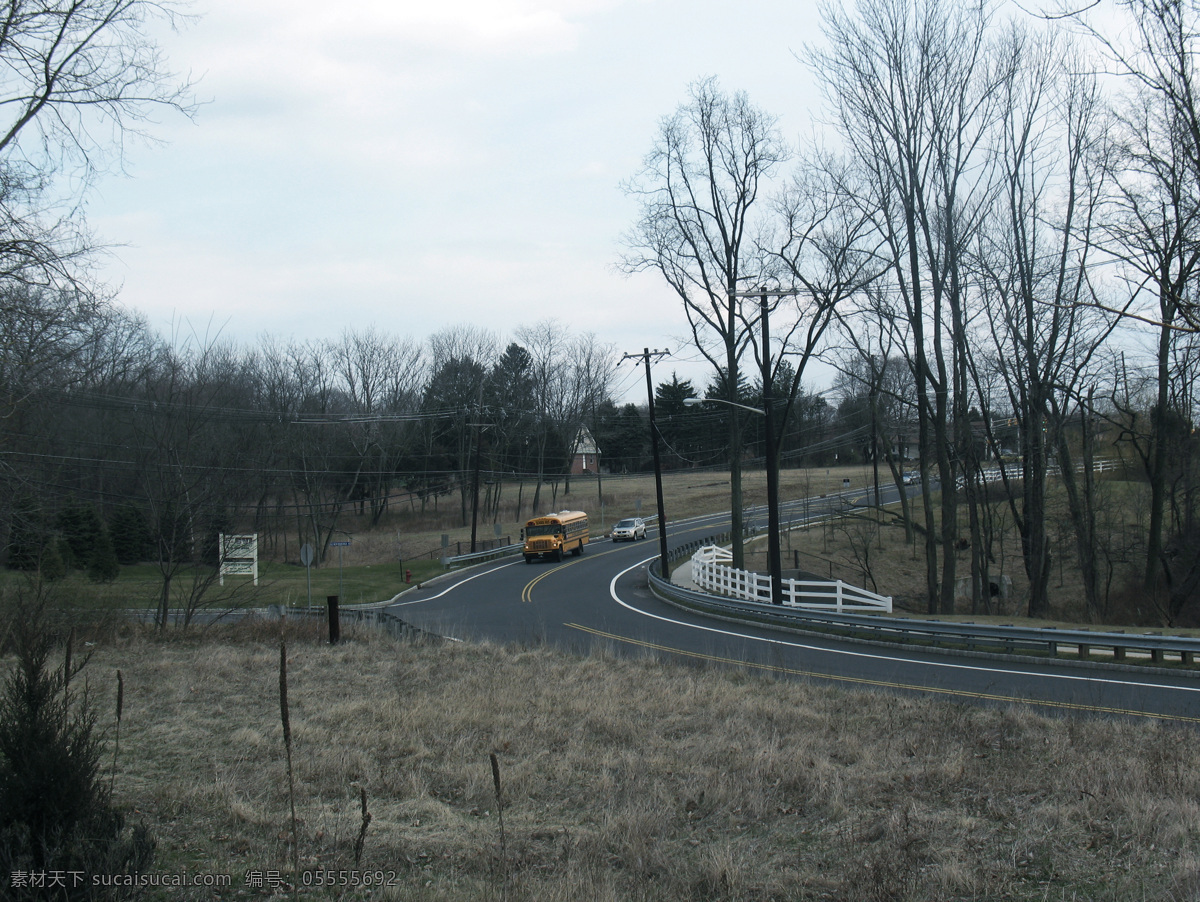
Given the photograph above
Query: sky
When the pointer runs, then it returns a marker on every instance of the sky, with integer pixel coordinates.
(412, 166)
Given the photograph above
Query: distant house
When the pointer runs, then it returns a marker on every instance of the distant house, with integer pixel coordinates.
(585, 459)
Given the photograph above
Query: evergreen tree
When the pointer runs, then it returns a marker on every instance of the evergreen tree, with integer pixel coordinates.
(55, 809)
(680, 429)
(103, 566)
(53, 561)
(130, 535)
(79, 525)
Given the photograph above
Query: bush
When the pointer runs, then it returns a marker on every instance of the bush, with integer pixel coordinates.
(54, 561)
(55, 810)
(102, 565)
(130, 534)
(80, 527)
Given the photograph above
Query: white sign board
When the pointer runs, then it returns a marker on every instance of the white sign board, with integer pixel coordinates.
(239, 556)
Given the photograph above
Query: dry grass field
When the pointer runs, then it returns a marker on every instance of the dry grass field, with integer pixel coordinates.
(624, 779)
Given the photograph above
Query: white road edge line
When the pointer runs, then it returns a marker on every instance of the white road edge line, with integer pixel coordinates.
(451, 588)
(612, 591)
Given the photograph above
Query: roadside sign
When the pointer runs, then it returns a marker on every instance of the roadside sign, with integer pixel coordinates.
(238, 556)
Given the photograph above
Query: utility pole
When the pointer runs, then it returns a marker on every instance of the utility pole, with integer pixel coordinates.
(646, 354)
(774, 562)
(475, 485)
(479, 427)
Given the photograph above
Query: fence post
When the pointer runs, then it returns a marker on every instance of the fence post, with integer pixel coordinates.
(335, 627)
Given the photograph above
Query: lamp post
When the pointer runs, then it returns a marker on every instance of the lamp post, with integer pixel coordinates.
(774, 564)
(774, 561)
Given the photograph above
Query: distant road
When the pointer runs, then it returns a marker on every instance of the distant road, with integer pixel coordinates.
(602, 599)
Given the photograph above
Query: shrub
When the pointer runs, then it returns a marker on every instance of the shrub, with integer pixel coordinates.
(53, 564)
(80, 527)
(55, 811)
(102, 565)
(130, 534)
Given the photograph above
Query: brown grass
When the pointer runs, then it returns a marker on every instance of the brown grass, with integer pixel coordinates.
(632, 779)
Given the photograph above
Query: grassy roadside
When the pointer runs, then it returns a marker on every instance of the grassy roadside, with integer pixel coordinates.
(627, 779)
(279, 584)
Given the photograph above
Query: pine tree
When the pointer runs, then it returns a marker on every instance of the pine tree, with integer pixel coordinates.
(103, 566)
(55, 810)
(80, 527)
(130, 535)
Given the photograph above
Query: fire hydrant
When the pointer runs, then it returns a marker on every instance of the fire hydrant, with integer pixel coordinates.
(408, 576)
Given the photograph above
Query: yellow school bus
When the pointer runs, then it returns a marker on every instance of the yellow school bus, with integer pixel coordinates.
(555, 534)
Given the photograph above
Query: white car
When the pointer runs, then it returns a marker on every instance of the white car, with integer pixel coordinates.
(912, 478)
(629, 530)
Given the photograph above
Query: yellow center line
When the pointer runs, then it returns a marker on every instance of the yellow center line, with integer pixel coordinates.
(527, 591)
(882, 684)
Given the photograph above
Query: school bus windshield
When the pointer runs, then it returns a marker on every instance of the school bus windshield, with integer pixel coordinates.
(547, 529)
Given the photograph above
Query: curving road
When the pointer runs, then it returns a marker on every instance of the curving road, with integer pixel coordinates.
(602, 598)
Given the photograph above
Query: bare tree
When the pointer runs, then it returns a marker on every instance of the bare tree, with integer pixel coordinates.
(827, 249)
(1155, 233)
(1050, 156)
(913, 93)
(549, 345)
(595, 367)
(81, 76)
(382, 376)
(303, 387)
(699, 191)
(460, 359)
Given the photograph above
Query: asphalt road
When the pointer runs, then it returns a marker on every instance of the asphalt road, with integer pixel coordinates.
(602, 598)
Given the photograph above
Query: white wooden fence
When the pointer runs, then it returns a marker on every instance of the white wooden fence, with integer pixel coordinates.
(712, 573)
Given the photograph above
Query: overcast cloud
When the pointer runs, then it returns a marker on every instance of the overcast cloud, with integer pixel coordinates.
(413, 166)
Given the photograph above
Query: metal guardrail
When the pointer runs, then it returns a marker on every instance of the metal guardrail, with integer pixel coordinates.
(480, 556)
(1154, 647)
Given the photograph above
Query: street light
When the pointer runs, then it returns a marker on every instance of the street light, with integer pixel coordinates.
(774, 561)
(695, 402)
